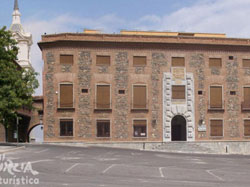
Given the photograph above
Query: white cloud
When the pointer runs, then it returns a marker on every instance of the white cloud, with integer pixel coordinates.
(220, 16)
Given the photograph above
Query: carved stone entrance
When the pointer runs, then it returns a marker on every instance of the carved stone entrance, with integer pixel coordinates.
(184, 108)
(179, 128)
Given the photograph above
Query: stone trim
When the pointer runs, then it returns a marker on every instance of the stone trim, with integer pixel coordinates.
(170, 110)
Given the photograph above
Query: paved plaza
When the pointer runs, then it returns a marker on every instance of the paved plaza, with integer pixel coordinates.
(92, 167)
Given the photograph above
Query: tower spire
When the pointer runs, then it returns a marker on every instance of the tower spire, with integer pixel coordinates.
(16, 5)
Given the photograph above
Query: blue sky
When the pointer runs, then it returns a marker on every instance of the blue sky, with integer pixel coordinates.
(55, 16)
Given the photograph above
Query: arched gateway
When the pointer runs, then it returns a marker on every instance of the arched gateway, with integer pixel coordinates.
(178, 114)
(179, 128)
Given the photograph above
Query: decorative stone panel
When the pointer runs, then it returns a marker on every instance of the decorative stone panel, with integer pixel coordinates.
(139, 70)
(215, 71)
(103, 69)
(66, 68)
(84, 78)
(233, 102)
(247, 72)
(171, 109)
(121, 101)
(197, 61)
(50, 90)
(158, 61)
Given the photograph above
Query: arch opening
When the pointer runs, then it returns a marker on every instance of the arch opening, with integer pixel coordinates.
(179, 128)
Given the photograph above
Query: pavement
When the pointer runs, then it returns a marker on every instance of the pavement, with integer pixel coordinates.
(4, 148)
(57, 166)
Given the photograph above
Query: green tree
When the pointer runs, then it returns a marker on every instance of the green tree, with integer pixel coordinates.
(17, 85)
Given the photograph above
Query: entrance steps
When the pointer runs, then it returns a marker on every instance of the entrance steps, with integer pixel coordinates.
(186, 147)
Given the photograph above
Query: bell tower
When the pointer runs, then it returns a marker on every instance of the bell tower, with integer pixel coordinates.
(24, 39)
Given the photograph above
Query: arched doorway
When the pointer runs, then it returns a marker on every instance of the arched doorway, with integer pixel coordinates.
(35, 134)
(179, 128)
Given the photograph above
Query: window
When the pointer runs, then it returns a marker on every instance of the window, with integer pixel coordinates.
(103, 128)
(231, 57)
(247, 127)
(216, 97)
(178, 62)
(215, 63)
(200, 92)
(66, 59)
(139, 61)
(216, 127)
(139, 97)
(140, 128)
(121, 91)
(102, 60)
(178, 92)
(246, 102)
(246, 63)
(232, 92)
(103, 97)
(85, 90)
(66, 95)
(66, 127)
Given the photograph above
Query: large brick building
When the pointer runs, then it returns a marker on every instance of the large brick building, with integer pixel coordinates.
(145, 86)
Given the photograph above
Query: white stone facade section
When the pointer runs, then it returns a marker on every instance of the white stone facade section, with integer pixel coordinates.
(185, 109)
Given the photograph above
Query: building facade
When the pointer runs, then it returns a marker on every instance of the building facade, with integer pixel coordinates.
(145, 86)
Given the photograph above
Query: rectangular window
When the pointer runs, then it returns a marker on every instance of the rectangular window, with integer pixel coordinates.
(103, 128)
(139, 61)
(216, 127)
(246, 63)
(246, 127)
(178, 62)
(66, 59)
(215, 62)
(102, 60)
(246, 103)
(66, 127)
(178, 92)
(140, 128)
(103, 97)
(215, 96)
(139, 97)
(66, 95)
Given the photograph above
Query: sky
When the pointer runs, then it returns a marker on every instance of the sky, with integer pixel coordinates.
(110, 16)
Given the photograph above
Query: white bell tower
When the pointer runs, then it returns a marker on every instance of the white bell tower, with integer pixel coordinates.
(24, 40)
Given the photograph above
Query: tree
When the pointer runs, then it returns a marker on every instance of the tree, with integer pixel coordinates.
(17, 85)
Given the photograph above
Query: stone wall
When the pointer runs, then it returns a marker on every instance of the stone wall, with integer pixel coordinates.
(121, 101)
(84, 121)
(49, 94)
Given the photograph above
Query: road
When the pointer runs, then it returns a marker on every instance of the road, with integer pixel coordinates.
(59, 166)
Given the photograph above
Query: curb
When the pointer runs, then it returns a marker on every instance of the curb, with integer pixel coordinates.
(12, 150)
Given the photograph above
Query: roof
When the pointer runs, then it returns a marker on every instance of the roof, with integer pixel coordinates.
(144, 37)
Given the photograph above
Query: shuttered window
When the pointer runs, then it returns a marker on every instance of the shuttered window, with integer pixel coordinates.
(178, 62)
(140, 128)
(139, 97)
(139, 61)
(246, 127)
(66, 59)
(215, 62)
(66, 95)
(246, 102)
(103, 128)
(246, 63)
(215, 97)
(103, 97)
(102, 60)
(66, 127)
(216, 128)
(178, 92)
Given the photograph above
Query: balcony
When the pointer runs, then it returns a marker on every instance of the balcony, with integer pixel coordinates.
(245, 106)
(216, 108)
